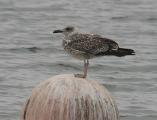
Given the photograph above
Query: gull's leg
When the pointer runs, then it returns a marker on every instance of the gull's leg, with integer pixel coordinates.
(86, 63)
(84, 75)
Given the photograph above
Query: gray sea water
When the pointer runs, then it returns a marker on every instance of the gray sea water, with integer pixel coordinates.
(30, 53)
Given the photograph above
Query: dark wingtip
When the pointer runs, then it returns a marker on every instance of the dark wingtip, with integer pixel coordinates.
(125, 51)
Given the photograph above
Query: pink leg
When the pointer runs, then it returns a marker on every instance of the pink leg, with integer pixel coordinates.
(86, 63)
(84, 75)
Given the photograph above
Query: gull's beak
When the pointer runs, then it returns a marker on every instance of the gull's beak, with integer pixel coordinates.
(58, 31)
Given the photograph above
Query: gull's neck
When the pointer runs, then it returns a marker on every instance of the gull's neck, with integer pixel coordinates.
(67, 35)
(67, 38)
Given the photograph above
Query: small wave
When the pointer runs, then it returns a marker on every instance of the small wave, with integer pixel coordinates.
(145, 116)
(35, 8)
(31, 49)
(152, 19)
(119, 18)
(68, 66)
(124, 116)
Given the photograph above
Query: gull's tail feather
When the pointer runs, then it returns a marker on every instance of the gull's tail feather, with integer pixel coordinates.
(119, 53)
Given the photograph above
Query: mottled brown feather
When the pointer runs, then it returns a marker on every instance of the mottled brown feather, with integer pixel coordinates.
(92, 44)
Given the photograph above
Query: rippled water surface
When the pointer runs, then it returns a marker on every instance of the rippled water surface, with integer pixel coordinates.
(30, 53)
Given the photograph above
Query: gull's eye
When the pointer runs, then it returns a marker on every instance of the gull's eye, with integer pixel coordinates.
(68, 29)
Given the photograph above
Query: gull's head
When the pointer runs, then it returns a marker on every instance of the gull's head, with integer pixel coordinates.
(65, 31)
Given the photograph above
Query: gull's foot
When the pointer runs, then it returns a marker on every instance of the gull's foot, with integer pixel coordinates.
(79, 75)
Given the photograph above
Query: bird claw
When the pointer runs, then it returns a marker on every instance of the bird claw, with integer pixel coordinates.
(79, 75)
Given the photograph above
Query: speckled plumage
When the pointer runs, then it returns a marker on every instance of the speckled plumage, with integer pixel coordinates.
(88, 45)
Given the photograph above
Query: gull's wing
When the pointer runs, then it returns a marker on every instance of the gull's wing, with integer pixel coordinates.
(92, 44)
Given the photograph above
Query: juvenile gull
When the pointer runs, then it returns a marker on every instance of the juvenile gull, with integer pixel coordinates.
(86, 46)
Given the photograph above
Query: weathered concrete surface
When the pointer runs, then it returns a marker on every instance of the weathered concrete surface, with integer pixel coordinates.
(65, 97)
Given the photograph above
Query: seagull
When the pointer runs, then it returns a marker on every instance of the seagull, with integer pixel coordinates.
(86, 46)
